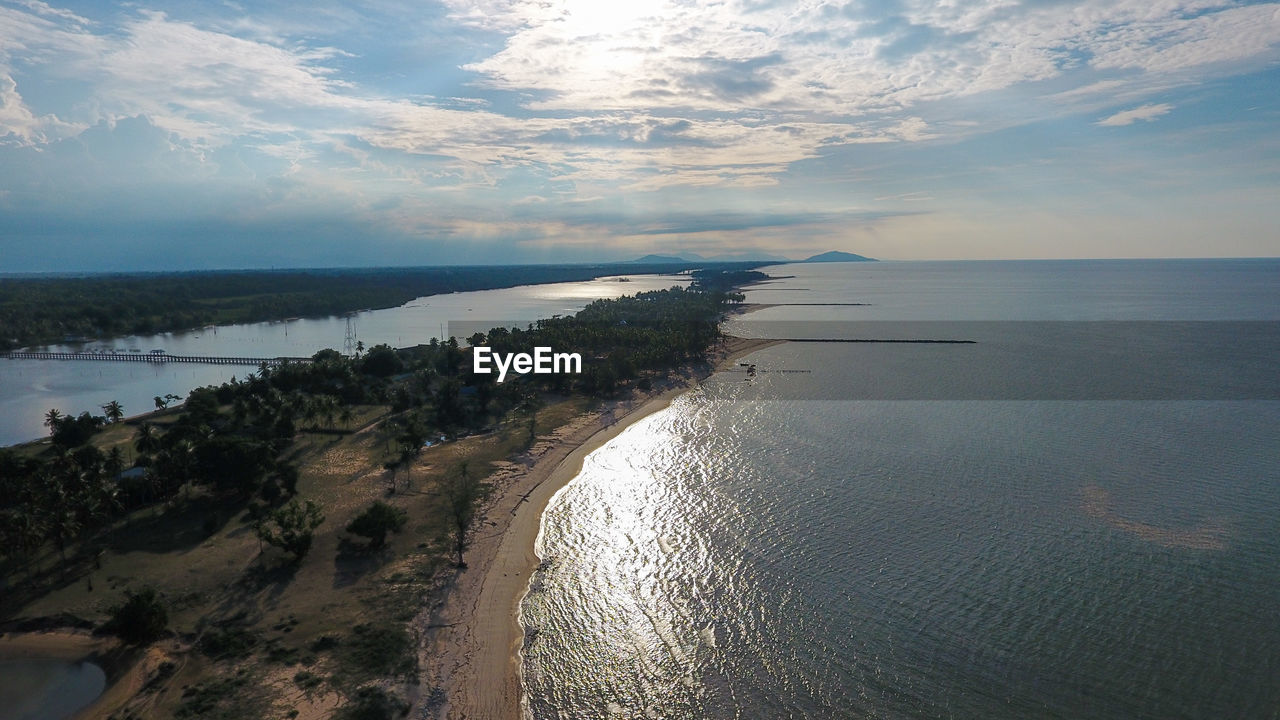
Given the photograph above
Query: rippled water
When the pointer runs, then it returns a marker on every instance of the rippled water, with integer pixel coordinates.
(755, 553)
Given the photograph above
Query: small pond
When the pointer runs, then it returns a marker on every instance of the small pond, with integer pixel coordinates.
(46, 688)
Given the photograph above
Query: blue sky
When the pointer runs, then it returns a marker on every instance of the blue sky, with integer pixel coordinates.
(172, 135)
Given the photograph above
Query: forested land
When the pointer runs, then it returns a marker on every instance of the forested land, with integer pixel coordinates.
(43, 310)
(247, 464)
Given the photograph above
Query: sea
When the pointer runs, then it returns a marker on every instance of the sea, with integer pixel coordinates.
(1070, 509)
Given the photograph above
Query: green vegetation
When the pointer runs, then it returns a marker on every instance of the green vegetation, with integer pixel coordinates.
(222, 698)
(463, 491)
(251, 463)
(375, 650)
(42, 310)
(231, 641)
(378, 520)
(141, 619)
(374, 703)
(290, 528)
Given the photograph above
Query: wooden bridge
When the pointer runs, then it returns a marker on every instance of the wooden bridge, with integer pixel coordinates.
(153, 357)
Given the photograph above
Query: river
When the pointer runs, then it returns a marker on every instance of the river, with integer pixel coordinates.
(29, 388)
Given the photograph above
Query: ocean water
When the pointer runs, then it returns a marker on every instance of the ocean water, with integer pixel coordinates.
(918, 530)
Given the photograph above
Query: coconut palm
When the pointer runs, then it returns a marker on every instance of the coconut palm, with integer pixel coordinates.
(114, 411)
(52, 418)
(147, 441)
(114, 463)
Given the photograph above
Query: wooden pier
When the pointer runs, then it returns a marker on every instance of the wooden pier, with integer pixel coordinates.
(154, 358)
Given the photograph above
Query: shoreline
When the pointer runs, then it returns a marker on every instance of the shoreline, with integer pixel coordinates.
(473, 641)
(126, 669)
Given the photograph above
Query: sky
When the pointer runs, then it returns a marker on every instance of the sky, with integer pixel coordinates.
(198, 135)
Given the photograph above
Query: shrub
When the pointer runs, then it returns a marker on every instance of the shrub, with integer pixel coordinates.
(374, 703)
(290, 527)
(229, 642)
(377, 650)
(376, 521)
(141, 619)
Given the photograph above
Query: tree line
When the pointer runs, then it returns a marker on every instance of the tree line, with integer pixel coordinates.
(44, 310)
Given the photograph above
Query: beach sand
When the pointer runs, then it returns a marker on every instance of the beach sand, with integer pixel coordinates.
(471, 648)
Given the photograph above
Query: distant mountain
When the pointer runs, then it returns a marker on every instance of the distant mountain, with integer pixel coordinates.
(694, 257)
(837, 256)
(660, 259)
(747, 257)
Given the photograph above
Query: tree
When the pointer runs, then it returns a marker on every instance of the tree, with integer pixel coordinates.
(147, 441)
(376, 521)
(113, 465)
(114, 411)
(290, 528)
(52, 419)
(462, 497)
(63, 527)
(22, 530)
(381, 361)
(74, 432)
(141, 619)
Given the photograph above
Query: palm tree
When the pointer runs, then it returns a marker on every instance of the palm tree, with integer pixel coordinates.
(64, 526)
(114, 411)
(147, 441)
(114, 464)
(329, 408)
(52, 418)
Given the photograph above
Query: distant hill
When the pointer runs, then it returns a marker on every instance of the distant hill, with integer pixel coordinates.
(837, 256)
(660, 259)
(747, 257)
(693, 257)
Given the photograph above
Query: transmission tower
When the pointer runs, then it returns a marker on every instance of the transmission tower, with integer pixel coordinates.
(349, 344)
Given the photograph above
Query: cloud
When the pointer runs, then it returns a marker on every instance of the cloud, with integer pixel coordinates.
(434, 123)
(1146, 113)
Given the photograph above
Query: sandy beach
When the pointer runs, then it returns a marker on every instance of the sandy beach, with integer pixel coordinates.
(471, 648)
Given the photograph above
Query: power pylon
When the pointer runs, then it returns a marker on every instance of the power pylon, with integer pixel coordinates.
(349, 344)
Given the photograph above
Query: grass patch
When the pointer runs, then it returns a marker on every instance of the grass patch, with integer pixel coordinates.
(233, 642)
(307, 680)
(379, 649)
(224, 698)
(374, 703)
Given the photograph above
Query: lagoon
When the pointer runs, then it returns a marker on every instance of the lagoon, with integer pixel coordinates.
(29, 388)
(48, 688)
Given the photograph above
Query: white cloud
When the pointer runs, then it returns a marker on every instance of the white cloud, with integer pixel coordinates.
(639, 96)
(1146, 113)
(19, 124)
(43, 8)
